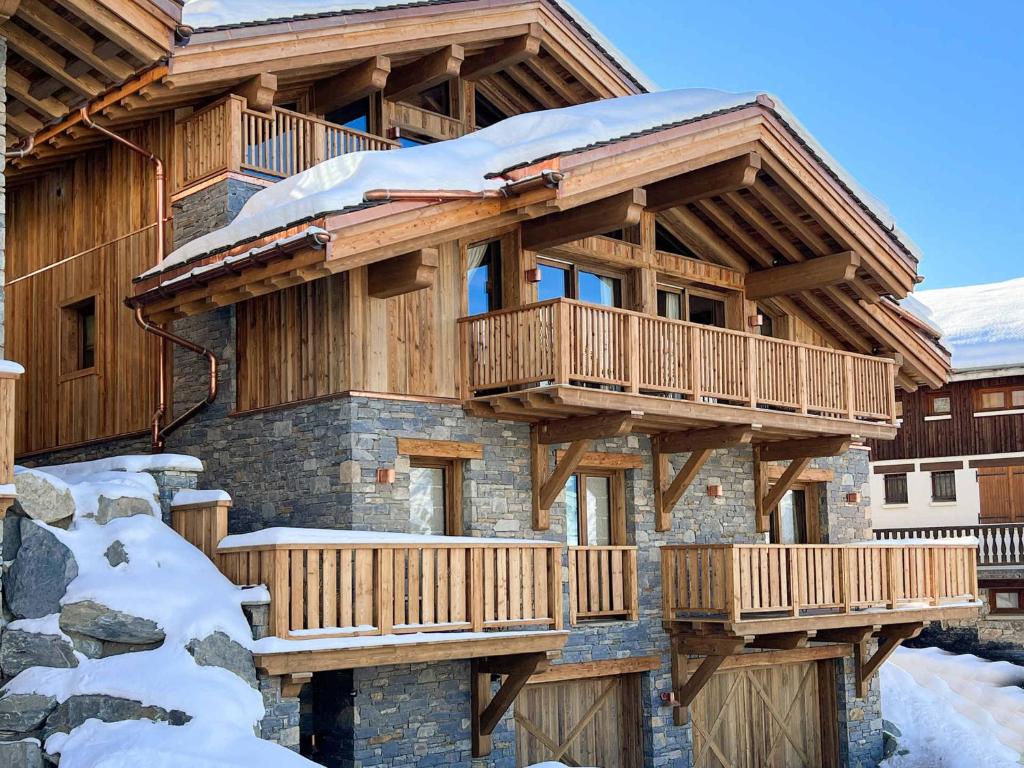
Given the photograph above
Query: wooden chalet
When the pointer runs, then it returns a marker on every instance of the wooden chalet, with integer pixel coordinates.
(626, 313)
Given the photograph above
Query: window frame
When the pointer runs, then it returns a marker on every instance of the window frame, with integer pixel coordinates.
(885, 489)
(687, 291)
(616, 505)
(943, 499)
(73, 357)
(574, 268)
(452, 479)
(932, 397)
(496, 292)
(994, 591)
(1007, 390)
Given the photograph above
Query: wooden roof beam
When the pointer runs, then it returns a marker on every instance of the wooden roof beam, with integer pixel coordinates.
(73, 39)
(24, 123)
(514, 51)
(794, 278)
(7, 9)
(622, 210)
(533, 88)
(402, 274)
(710, 181)
(112, 26)
(811, 448)
(258, 91)
(697, 236)
(426, 72)
(20, 87)
(701, 439)
(51, 62)
(353, 84)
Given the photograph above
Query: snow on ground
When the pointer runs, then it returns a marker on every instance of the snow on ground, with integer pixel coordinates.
(983, 325)
(298, 536)
(955, 711)
(172, 583)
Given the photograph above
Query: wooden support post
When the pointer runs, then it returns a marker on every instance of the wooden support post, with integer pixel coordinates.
(720, 650)
(488, 710)
(894, 635)
(563, 469)
(540, 461)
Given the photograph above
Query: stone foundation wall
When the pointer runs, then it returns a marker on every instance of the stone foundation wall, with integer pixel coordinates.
(210, 208)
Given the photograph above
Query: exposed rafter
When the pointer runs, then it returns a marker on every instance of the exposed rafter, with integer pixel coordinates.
(513, 51)
(51, 62)
(622, 210)
(73, 40)
(426, 72)
(717, 179)
(353, 84)
(402, 274)
(795, 278)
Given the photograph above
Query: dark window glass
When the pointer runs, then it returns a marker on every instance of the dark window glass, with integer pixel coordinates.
(486, 112)
(943, 486)
(939, 405)
(767, 327)
(406, 140)
(896, 489)
(600, 289)
(670, 305)
(707, 311)
(483, 277)
(669, 243)
(437, 99)
(555, 282)
(355, 115)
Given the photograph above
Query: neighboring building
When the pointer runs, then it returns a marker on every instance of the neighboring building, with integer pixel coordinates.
(957, 465)
(606, 366)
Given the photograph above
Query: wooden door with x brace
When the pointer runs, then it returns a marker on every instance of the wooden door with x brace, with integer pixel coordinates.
(591, 722)
(779, 716)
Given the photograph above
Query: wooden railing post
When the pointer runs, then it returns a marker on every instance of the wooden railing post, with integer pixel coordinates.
(234, 141)
(631, 584)
(476, 589)
(280, 594)
(383, 591)
(892, 369)
(668, 583)
(318, 152)
(562, 314)
(733, 584)
(696, 379)
(633, 352)
(752, 374)
(801, 379)
(465, 369)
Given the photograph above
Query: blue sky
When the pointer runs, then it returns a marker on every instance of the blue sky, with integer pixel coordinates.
(920, 101)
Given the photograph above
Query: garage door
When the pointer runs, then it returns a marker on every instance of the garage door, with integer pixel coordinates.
(592, 722)
(766, 717)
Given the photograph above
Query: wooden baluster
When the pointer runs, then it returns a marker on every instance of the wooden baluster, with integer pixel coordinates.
(846, 579)
(696, 381)
(632, 342)
(752, 372)
(280, 594)
(801, 378)
(555, 586)
(793, 556)
(733, 583)
(385, 579)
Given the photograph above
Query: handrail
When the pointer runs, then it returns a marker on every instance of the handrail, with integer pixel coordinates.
(998, 543)
(603, 583)
(735, 581)
(564, 341)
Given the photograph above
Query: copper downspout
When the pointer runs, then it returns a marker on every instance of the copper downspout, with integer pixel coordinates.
(157, 432)
(15, 154)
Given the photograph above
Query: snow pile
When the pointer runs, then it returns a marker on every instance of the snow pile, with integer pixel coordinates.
(299, 536)
(167, 581)
(983, 325)
(955, 711)
(459, 164)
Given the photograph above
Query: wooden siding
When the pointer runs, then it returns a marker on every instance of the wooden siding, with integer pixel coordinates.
(97, 198)
(962, 435)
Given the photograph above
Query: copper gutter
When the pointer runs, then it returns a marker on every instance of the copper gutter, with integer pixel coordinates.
(14, 154)
(545, 179)
(158, 433)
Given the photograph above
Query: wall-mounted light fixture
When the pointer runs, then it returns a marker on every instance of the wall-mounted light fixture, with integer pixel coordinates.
(853, 498)
(533, 275)
(755, 321)
(715, 491)
(385, 476)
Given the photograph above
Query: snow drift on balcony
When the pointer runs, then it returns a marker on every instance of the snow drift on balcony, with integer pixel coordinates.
(956, 711)
(983, 325)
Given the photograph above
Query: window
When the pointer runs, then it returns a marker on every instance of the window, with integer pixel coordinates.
(944, 486)
(939, 404)
(669, 243)
(564, 280)
(591, 502)
(435, 496)
(437, 99)
(899, 409)
(999, 398)
(682, 304)
(767, 327)
(78, 352)
(896, 489)
(355, 115)
(483, 277)
(1005, 600)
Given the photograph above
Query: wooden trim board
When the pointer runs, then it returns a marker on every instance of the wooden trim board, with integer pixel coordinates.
(589, 669)
(439, 449)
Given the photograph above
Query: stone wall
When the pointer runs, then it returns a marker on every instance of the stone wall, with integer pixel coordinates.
(210, 208)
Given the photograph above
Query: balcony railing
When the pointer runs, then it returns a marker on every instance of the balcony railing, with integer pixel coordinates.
(998, 544)
(9, 375)
(569, 342)
(382, 588)
(730, 582)
(227, 136)
(602, 583)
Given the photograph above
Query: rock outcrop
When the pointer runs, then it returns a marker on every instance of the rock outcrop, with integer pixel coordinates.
(42, 569)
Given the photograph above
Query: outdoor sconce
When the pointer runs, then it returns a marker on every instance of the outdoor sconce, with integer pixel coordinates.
(853, 498)
(715, 491)
(385, 476)
(533, 275)
(668, 699)
(755, 321)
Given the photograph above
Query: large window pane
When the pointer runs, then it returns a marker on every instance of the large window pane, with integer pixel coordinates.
(670, 305)
(600, 289)
(572, 512)
(707, 311)
(599, 511)
(483, 278)
(554, 282)
(426, 500)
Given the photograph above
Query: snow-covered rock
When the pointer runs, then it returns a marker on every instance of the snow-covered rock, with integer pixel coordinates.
(97, 621)
(43, 497)
(43, 568)
(21, 649)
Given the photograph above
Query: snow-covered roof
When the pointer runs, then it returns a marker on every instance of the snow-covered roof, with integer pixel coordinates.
(211, 15)
(474, 161)
(983, 325)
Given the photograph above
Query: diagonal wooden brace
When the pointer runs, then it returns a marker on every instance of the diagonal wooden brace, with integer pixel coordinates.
(667, 493)
(893, 636)
(686, 688)
(488, 710)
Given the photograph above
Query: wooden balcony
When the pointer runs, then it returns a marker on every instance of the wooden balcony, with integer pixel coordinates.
(562, 357)
(999, 544)
(603, 584)
(227, 136)
(748, 588)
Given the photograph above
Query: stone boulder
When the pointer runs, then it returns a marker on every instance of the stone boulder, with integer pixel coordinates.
(102, 623)
(219, 650)
(116, 554)
(40, 573)
(76, 710)
(124, 506)
(23, 713)
(43, 497)
(21, 754)
(20, 650)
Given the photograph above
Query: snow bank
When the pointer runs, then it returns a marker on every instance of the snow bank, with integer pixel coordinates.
(983, 325)
(11, 367)
(272, 536)
(955, 711)
(279, 645)
(158, 462)
(185, 497)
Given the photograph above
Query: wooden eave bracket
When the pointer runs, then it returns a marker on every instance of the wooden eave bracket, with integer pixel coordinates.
(258, 91)
(792, 279)
(291, 685)
(579, 433)
(504, 55)
(426, 72)
(353, 84)
(710, 181)
(891, 638)
(615, 212)
(668, 490)
(488, 710)
(403, 274)
(685, 687)
(767, 495)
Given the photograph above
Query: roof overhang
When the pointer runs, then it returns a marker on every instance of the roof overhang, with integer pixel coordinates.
(817, 217)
